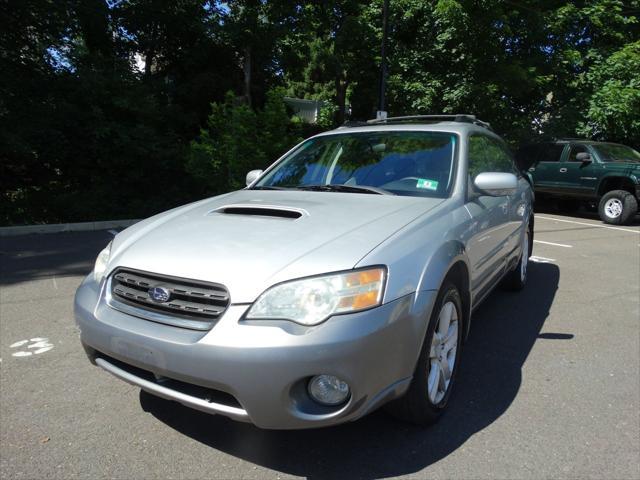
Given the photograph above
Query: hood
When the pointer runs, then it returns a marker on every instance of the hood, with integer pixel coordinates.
(251, 239)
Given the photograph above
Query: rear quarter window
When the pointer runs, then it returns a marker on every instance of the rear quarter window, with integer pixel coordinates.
(532, 154)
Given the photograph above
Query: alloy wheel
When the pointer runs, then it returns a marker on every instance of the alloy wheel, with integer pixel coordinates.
(442, 356)
(613, 208)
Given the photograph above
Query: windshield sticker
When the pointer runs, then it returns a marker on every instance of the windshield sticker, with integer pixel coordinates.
(427, 184)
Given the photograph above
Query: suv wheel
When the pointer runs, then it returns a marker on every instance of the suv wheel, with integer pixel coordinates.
(617, 207)
(434, 376)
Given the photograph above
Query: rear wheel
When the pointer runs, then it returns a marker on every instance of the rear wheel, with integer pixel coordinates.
(434, 376)
(617, 207)
(517, 278)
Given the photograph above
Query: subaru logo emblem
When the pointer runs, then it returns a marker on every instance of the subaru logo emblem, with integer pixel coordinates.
(159, 294)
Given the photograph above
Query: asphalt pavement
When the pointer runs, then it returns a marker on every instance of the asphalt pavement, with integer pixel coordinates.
(549, 384)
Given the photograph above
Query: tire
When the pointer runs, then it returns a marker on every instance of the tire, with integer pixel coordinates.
(617, 207)
(419, 405)
(517, 278)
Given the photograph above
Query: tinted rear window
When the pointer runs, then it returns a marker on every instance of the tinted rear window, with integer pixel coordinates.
(548, 152)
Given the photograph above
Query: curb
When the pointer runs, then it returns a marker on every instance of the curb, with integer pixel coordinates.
(64, 227)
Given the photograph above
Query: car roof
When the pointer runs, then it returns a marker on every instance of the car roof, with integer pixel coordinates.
(564, 141)
(442, 126)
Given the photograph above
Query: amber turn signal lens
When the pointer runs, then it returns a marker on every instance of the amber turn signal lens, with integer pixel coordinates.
(363, 290)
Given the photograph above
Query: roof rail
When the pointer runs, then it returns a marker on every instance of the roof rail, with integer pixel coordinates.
(460, 117)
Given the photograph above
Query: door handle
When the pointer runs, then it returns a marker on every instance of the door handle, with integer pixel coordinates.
(563, 170)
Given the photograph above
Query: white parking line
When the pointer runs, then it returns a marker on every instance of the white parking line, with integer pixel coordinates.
(554, 244)
(589, 224)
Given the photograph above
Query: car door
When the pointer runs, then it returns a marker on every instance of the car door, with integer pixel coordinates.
(576, 177)
(545, 171)
(487, 246)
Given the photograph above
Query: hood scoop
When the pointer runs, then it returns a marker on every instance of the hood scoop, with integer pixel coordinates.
(261, 211)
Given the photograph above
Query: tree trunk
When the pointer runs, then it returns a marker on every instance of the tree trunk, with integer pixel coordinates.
(341, 99)
(148, 61)
(246, 69)
(93, 16)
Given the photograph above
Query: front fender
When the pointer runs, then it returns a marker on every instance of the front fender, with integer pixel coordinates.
(450, 258)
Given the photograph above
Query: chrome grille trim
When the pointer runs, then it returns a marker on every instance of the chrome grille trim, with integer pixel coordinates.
(193, 304)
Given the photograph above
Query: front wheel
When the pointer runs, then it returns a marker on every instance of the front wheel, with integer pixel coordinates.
(434, 376)
(617, 207)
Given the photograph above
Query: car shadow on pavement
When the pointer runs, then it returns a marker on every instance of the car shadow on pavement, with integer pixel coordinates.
(504, 330)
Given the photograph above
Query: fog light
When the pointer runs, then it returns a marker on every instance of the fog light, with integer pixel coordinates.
(328, 390)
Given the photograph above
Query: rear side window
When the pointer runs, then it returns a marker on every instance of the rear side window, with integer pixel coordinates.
(551, 152)
(544, 152)
(488, 155)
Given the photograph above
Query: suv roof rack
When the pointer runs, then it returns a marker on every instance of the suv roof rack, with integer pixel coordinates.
(460, 117)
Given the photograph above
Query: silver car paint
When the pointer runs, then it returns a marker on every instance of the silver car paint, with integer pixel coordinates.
(418, 239)
(249, 253)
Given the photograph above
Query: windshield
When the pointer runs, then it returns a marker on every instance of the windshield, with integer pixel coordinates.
(612, 152)
(400, 163)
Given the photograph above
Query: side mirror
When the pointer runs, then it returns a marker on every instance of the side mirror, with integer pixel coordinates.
(583, 157)
(252, 176)
(496, 184)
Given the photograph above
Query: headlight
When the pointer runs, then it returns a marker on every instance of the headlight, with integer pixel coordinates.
(101, 263)
(311, 301)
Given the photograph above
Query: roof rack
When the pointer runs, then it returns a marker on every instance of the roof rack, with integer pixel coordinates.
(462, 118)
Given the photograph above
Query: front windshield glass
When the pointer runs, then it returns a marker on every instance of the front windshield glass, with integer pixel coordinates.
(613, 152)
(399, 162)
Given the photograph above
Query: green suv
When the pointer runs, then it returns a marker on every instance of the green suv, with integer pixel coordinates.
(580, 171)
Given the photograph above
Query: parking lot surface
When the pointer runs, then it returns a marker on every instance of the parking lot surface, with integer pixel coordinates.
(549, 384)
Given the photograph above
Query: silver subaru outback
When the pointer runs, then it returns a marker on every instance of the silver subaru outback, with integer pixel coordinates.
(343, 278)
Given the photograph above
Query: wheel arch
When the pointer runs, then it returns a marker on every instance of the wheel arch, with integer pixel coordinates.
(459, 275)
(616, 182)
(450, 263)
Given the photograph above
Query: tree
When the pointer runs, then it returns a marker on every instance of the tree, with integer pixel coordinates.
(88, 132)
(613, 107)
(237, 139)
(339, 48)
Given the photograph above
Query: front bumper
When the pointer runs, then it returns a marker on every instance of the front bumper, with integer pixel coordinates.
(263, 366)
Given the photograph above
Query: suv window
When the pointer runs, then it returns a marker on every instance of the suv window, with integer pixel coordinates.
(551, 152)
(543, 152)
(488, 155)
(612, 152)
(576, 149)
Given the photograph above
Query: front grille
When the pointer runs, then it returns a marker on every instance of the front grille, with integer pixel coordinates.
(202, 302)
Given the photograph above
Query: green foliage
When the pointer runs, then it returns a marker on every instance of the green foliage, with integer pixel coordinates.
(121, 109)
(238, 139)
(614, 106)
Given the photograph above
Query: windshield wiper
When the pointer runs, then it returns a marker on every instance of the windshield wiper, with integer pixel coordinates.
(268, 187)
(336, 187)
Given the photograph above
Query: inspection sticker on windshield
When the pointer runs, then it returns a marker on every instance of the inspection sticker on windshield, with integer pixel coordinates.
(426, 183)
